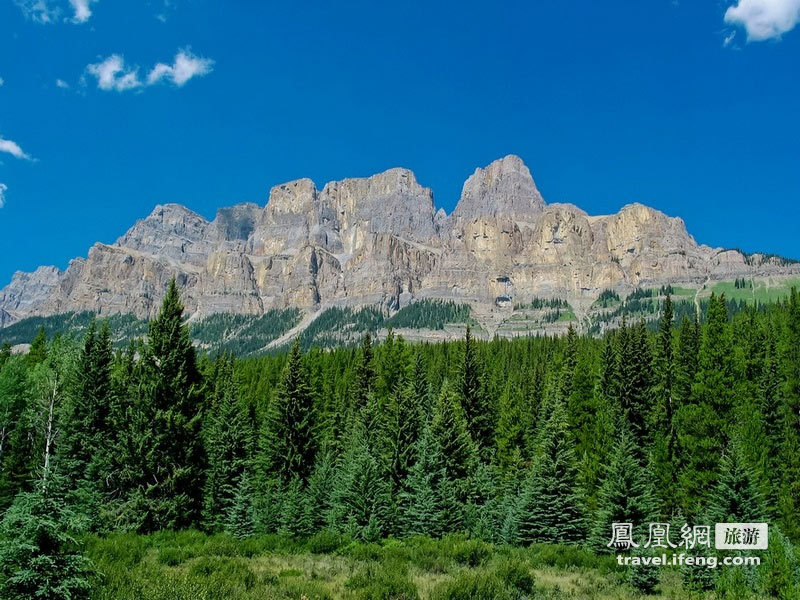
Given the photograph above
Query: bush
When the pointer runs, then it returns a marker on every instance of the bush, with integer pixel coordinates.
(263, 544)
(363, 551)
(470, 553)
(516, 574)
(472, 586)
(326, 542)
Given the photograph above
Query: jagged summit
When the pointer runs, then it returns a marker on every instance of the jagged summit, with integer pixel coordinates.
(505, 187)
(379, 240)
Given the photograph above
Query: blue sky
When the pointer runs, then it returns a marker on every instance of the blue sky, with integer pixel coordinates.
(108, 108)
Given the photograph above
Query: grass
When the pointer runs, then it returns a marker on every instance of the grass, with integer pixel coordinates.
(764, 290)
(190, 565)
(683, 291)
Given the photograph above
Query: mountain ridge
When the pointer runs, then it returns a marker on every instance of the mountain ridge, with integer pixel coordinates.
(380, 240)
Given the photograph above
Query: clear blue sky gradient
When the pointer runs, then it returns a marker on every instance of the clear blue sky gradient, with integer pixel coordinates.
(607, 102)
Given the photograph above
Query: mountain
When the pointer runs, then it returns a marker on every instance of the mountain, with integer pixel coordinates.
(378, 241)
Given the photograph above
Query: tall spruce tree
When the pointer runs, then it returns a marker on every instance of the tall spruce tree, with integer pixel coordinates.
(16, 441)
(626, 495)
(420, 508)
(664, 436)
(365, 377)
(227, 448)
(449, 429)
(89, 432)
(288, 444)
(550, 508)
(634, 382)
(789, 499)
(402, 423)
(703, 422)
(40, 556)
(361, 495)
(169, 485)
(240, 520)
(477, 406)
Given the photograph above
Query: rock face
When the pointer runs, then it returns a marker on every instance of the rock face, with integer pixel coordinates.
(379, 240)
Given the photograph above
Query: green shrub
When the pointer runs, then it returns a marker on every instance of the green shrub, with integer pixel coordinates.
(516, 574)
(262, 544)
(427, 554)
(472, 586)
(326, 542)
(555, 555)
(470, 553)
(362, 551)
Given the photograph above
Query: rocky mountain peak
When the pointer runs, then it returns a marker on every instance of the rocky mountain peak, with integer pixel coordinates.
(504, 188)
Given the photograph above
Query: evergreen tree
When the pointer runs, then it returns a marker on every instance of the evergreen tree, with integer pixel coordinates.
(686, 354)
(735, 498)
(510, 436)
(703, 422)
(168, 486)
(292, 520)
(317, 501)
(5, 353)
(568, 369)
(420, 510)
(625, 496)
(240, 516)
(88, 434)
(550, 508)
(360, 500)
(769, 394)
(365, 375)
(227, 444)
(664, 436)
(288, 445)
(402, 420)
(420, 394)
(789, 499)
(16, 441)
(40, 557)
(449, 429)
(634, 383)
(38, 350)
(477, 407)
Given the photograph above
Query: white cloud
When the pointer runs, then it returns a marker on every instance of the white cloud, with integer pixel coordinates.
(764, 19)
(3, 188)
(185, 66)
(13, 149)
(62, 84)
(82, 10)
(112, 74)
(40, 11)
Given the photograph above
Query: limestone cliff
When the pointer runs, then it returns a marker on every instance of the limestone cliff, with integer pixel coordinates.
(379, 240)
